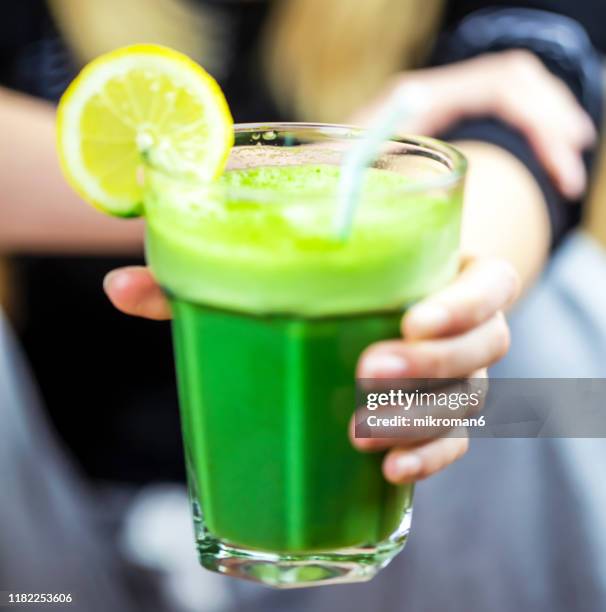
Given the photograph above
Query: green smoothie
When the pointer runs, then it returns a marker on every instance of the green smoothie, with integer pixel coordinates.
(271, 313)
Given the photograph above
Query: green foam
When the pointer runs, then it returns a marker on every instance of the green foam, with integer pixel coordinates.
(262, 241)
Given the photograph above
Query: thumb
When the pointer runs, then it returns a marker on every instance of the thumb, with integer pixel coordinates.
(134, 291)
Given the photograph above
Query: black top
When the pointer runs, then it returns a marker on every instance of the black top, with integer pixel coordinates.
(108, 379)
(590, 14)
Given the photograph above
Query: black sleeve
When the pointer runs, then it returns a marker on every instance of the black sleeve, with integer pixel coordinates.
(563, 46)
(33, 57)
(19, 28)
(563, 215)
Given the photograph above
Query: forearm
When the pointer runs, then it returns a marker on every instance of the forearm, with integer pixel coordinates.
(505, 213)
(39, 213)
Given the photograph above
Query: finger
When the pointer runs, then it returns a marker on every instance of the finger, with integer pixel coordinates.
(558, 133)
(452, 357)
(563, 162)
(413, 435)
(134, 291)
(568, 171)
(402, 466)
(483, 288)
(534, 84)
(564, 115)
(557, 151)
(577, 126)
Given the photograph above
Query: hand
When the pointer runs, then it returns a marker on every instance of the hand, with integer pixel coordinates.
(513, 86)
(457, 332)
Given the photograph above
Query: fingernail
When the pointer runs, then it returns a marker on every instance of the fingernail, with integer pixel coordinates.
(406, 465)
(428, 319)
(589, 131)
(570, 172)
(573, 182)
(111, 280)
(383, 365)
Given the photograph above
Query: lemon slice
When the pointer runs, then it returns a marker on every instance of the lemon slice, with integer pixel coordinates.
(142, 102)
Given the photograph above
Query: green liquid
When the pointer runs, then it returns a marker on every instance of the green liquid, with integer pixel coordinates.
(266, 403)
(270, 317)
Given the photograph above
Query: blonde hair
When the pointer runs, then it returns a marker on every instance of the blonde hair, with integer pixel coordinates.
(323, 58)
(328, 57)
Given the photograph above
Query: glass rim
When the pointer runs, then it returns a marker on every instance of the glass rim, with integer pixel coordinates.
(445, 154)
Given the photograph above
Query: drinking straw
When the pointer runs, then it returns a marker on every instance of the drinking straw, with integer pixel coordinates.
(405, 103)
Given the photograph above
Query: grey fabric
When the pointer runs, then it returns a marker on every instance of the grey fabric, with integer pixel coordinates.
(517, 525)
(48, 541)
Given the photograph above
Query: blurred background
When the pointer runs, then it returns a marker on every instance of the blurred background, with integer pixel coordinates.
(91, 467)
